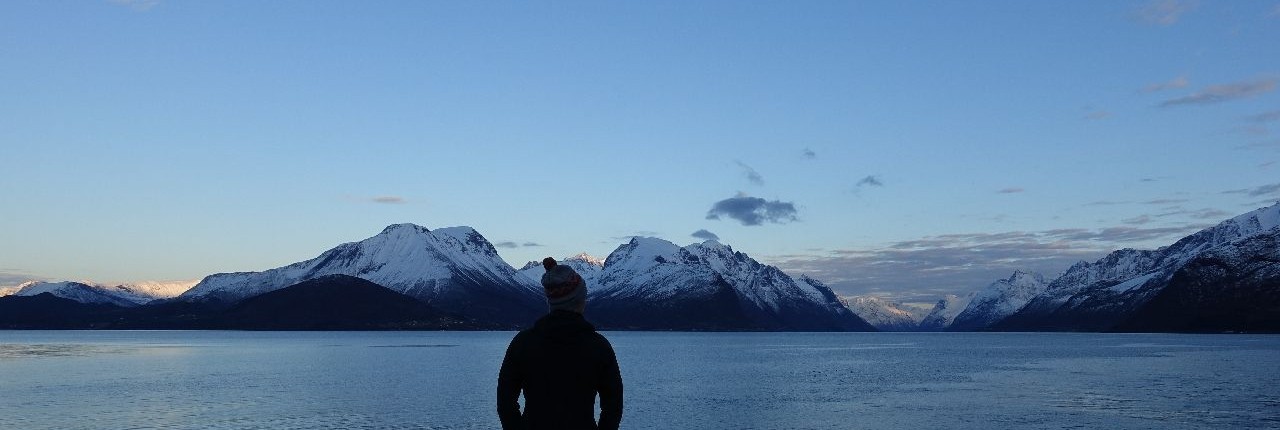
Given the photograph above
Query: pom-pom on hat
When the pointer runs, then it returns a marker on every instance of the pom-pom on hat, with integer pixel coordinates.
(565, 290)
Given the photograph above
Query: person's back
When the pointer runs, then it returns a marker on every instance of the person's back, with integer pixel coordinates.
(561, 363)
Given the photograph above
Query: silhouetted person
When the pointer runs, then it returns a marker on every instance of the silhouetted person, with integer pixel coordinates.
(560, 364)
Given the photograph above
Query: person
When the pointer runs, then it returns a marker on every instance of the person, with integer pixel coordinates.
(561, 363)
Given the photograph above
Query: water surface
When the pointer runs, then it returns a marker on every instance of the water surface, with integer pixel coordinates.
(445, 380)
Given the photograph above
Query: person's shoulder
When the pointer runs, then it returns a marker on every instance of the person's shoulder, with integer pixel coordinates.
(600, 340)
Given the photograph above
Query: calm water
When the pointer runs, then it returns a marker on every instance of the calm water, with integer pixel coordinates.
(243, 380)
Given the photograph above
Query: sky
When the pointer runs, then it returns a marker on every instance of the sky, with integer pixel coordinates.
(900, 149)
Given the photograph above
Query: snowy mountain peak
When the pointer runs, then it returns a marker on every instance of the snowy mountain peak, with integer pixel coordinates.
(586, 258)
(405, 228)
(1020, 276)
(883, 314)
(641, 252)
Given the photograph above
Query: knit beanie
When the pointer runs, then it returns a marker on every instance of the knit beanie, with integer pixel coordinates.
(564, 288)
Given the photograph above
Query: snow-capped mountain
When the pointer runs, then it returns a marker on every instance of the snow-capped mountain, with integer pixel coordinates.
(883, 314)
(1099, 295)
(454, 269)
(587, 266)
(945, 312)
(1228, 288)
(157, 289)
(81, 292)
(650, 283)
(999, 300)
(125, 295)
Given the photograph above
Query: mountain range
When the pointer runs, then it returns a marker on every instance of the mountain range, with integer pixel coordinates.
(459, 280)
(1222, 278)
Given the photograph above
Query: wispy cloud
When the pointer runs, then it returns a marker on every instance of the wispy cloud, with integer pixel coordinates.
(1105, 203)
(1269, 116)
(1138, 220)
(1265, 190)
(754, 177)
(958, 263)
(389, 200)
(138, 5)
(511, 245)
(753, 211)
(751, 174)
(1096, 115)
(1164, 201)
(808, 153)
(1224, 92)
(705, 235)
(1175, 83)
(869, 181)
(1011, 190)
(1165, 12)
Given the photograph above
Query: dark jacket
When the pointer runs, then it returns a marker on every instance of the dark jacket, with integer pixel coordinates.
(560, 363)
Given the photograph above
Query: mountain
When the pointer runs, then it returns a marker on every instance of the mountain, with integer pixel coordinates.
(587, 266)
(83, 293)
(1231, 288)
(999, 300)
(452, 269)
(1111, 292)
(125, 295)
(652, 284)
(883, 314)
(334, 302)
(945, 312)
(47, 311)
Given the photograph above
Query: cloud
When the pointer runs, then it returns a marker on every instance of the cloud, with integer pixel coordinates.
(751, 174)
(1262, 144)
(390, 200)
(926, 268)
(1269, 116)
(511, 245)
(1138, 220)
(1265, 190)
(1097, 115)
(1165, 12)
(751, 211)
(1164, 201)
(1267, 165)
(705, 235)
(869, 181)
(808, 153)
(1011, 190)
(138, 5)
(1174, 83)
(1105, 203)
(1224, 92)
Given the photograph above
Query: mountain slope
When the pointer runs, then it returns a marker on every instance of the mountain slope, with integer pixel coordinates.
(587, 266)
(334, 302)
(653, 284)
(999, 300)
(883, 314)
(1230, 288)
(1099, 296)
(944, 312)
(83, 293)
(453, 269)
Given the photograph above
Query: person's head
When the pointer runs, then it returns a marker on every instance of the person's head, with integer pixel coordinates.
(565, 290)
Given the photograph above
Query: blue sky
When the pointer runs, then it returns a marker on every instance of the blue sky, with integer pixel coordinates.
(903, 149)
